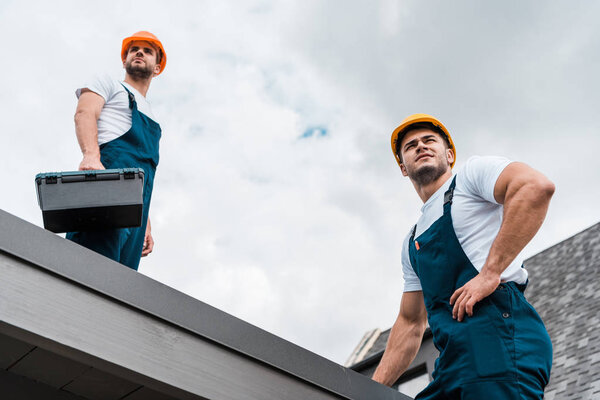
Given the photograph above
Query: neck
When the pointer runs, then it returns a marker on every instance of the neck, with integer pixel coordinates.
(426, 191)
(141, 85)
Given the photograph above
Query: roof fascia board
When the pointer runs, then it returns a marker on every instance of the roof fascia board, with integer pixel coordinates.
(58, 256)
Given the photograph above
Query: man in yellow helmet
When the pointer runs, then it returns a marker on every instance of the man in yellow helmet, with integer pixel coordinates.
(463, 274)
(115, 128)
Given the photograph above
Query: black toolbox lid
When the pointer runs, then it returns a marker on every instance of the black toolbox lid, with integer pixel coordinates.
(88, 175)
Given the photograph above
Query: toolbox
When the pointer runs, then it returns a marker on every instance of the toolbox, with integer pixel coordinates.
(91, 200)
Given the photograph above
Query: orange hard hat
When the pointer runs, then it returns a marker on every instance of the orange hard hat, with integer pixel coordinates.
(147, 37)
(398, 133)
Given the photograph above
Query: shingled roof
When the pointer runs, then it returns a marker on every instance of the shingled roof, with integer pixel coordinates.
(565, 290)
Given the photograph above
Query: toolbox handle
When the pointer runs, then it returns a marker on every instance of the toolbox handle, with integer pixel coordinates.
(91, 177)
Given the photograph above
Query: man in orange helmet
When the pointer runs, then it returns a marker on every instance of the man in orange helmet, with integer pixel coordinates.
(463, 274)
(115, 128)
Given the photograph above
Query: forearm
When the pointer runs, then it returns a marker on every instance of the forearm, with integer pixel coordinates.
(525, 209)
(86, 129)
(402, 347)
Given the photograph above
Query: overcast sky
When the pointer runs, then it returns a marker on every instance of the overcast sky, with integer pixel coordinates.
(277, 198)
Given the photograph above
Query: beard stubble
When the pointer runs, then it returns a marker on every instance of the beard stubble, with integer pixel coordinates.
(428, 173)
(138, 72)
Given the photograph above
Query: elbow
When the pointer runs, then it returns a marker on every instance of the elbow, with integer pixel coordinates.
(539, 191)
(545, 188)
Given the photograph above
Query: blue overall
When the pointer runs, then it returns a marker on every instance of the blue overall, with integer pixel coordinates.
(137, 148)
(502, 352)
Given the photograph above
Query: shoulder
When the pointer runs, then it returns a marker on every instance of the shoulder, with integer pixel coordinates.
(479, 174)
(479, 164)
(104, 85)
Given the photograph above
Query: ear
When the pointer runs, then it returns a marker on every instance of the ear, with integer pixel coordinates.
(125, 58)
(403, 169)
(450, 156)
(156, 69)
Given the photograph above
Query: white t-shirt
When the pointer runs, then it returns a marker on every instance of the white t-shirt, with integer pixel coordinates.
(475, 214)
(115, 117)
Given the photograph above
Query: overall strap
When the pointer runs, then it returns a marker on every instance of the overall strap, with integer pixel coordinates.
(449, 195)
(131, 97)
(447, 203)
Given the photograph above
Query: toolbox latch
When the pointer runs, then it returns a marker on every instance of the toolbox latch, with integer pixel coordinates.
(90, 176)
(129, 174)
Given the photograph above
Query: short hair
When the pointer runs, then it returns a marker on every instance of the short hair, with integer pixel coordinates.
(417, 126)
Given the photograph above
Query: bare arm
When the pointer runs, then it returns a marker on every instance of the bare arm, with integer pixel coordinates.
(405, 339)
(526, 195)
(86, 127)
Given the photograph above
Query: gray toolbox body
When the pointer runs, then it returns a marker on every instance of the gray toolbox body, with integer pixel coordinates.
(91, 200)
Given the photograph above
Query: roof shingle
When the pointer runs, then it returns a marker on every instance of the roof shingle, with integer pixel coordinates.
(565, 290)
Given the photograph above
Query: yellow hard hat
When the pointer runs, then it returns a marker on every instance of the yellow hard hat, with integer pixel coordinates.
(414, 119)
(147, 37)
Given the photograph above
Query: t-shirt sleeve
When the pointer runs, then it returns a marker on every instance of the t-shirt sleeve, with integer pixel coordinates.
(411, 280)
(479, 175)
(102, 85)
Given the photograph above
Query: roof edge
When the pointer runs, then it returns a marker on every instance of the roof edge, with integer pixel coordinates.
(61, 257)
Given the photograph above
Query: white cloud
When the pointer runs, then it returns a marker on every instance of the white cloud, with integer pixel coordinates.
(302, 236)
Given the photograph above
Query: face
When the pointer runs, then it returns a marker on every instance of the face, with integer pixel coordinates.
(425, 156)
(141, 60)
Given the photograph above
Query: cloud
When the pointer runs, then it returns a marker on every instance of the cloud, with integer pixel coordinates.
(277, 198)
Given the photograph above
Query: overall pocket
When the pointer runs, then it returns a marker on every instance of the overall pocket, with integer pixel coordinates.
(490, 334)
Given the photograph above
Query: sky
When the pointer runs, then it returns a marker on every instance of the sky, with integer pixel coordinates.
(277, 198)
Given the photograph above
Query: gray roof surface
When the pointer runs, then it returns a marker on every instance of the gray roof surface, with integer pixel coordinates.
(565, 290)
(68, 277)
